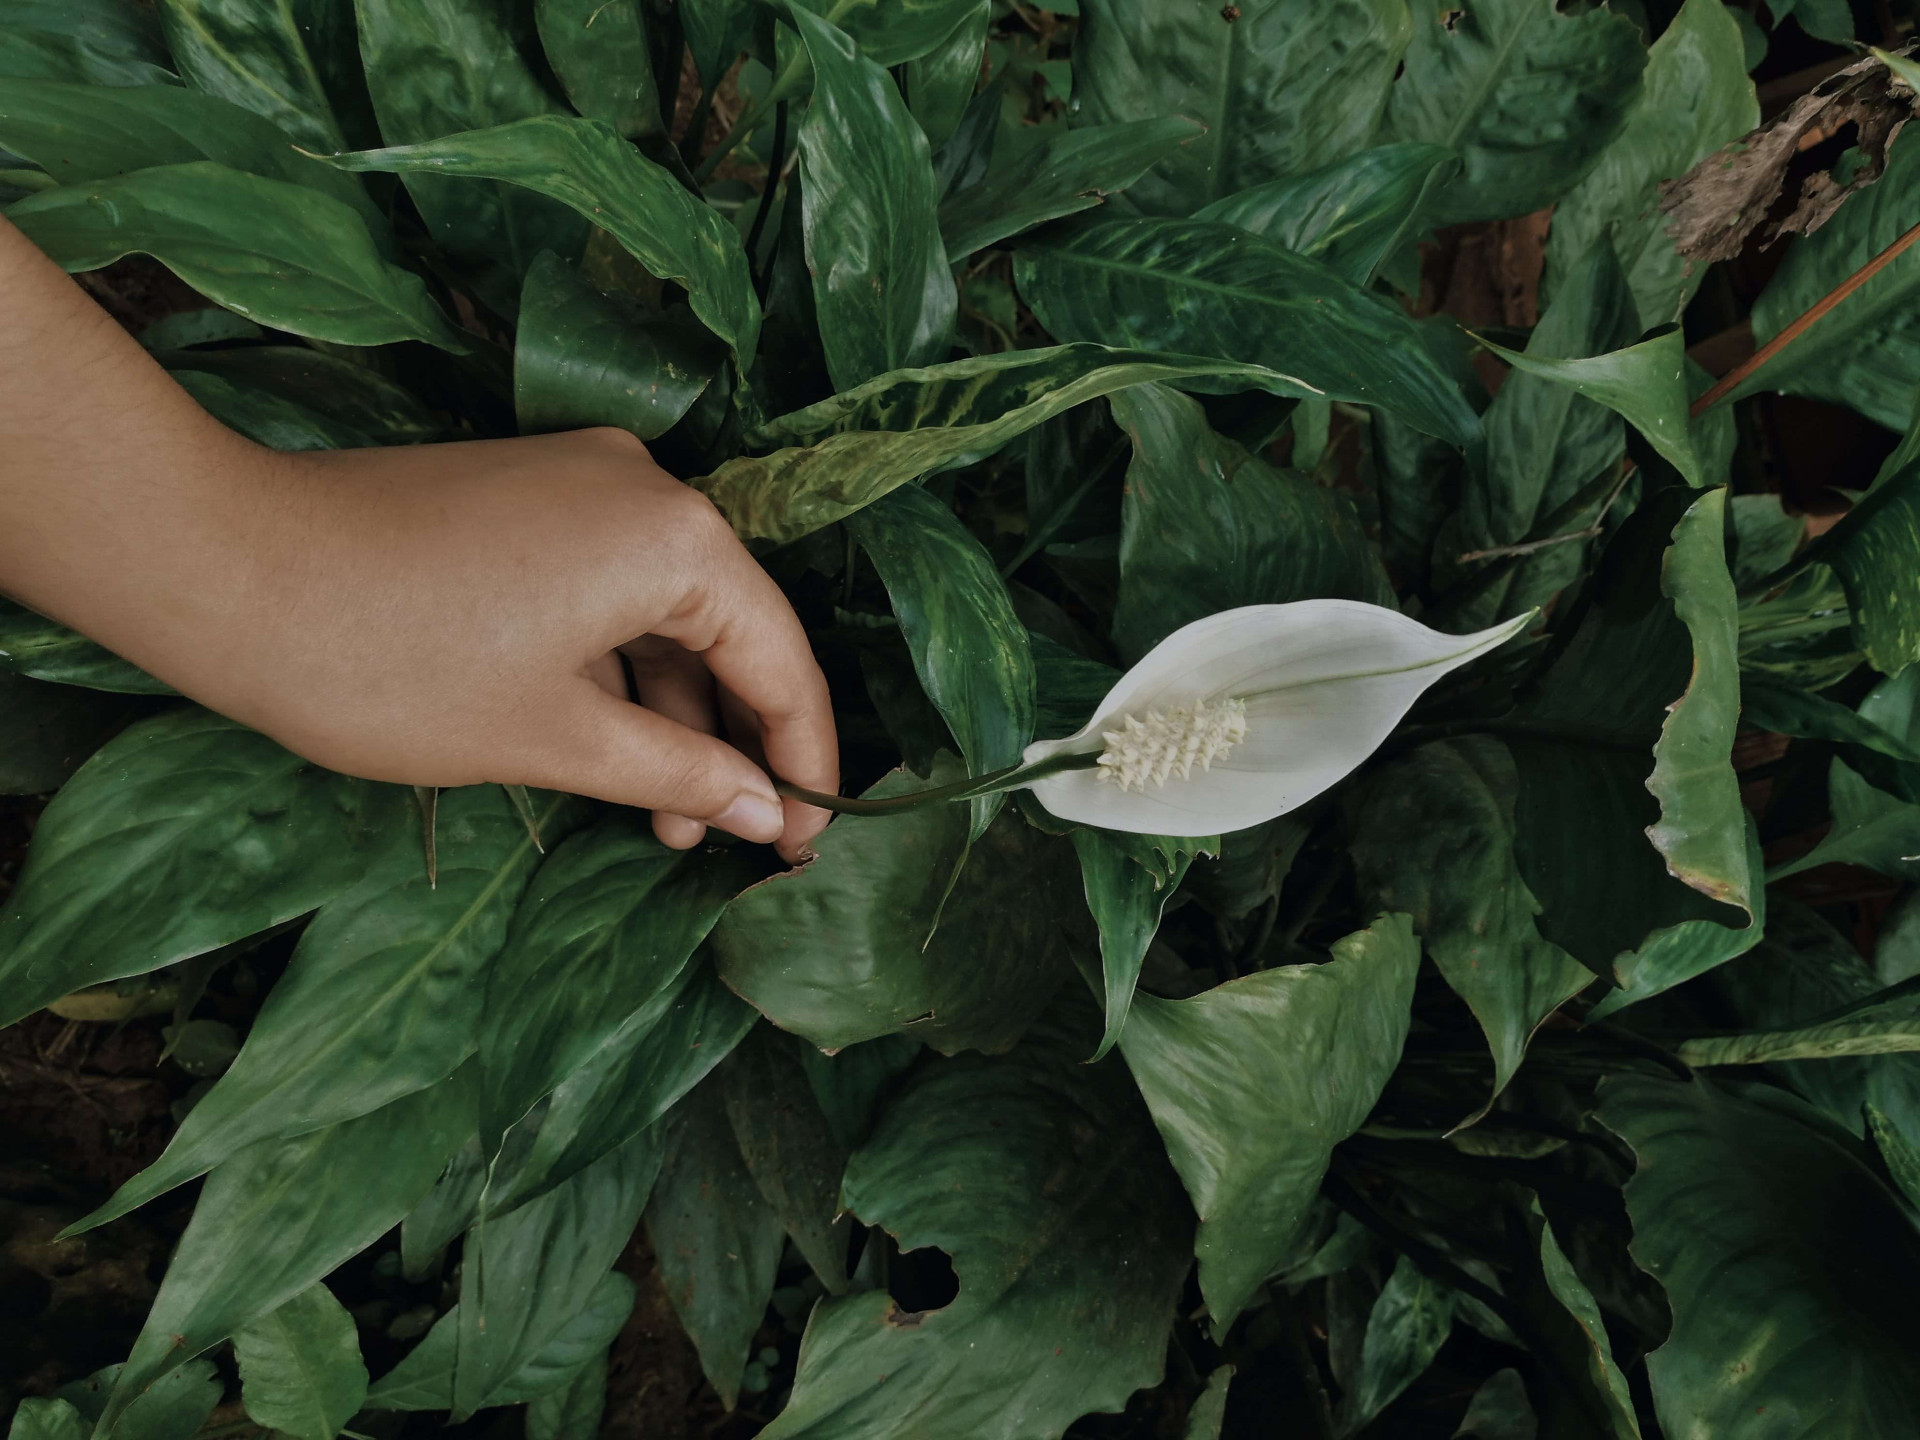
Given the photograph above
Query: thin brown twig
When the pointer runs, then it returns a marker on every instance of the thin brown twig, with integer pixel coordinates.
(1737, 376)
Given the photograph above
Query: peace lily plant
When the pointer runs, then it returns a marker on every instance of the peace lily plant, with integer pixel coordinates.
(1230, 721)
(1016, 339)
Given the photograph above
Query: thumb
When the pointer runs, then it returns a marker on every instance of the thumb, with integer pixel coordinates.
(620, 752)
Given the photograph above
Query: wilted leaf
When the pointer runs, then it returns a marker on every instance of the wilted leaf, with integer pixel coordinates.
(1254, 1082)
(1281, 87)
(1042, 1179)
(1724, 198)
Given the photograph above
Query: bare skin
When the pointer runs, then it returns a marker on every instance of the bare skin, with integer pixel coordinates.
(428, 615)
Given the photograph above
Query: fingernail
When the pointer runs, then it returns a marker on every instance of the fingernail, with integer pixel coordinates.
(753, 817)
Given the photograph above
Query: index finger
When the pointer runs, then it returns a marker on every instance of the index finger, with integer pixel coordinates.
(754, 644)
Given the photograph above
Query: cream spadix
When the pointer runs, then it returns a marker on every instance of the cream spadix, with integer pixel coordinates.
(1248, 714)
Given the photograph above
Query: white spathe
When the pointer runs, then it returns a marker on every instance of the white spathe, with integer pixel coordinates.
(1323, 683)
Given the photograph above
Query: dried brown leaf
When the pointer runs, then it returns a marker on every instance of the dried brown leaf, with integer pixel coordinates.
(1713, 208)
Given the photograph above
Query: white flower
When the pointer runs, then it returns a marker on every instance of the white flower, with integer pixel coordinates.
(1248, 714)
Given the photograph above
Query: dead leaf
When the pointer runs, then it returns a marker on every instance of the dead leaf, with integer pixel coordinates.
(1713, 208)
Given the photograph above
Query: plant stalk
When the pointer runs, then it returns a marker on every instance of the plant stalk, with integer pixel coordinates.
(992, 783)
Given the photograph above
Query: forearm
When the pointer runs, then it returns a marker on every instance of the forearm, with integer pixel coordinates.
(120, 499)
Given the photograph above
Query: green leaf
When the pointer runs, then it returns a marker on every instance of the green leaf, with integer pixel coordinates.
(633, 1081)
(45, 649)
(82, 133)
(1527, 94)
(173, 1408)
(300, 1367)
(284, 255)
(583, 358)
(1254, 1082)
(1126, 894)
(268, 419)
(1777, 1310)
(280, 1214)
(1280, 86)
(1695, 98)
(1548, 448)
(1408, 1324)
(839, 951)
(1870, 828)
(608, 925)
(718, 1242)
(1865, 354)
(382, 997)
(858, 446)
(348, 395)
(572, 1411)
(1207, 527)
(1069, 171)
(1590, 1384)
(1351, 214)
(1767, 705)
(524, 1276)
(255, 56)
(423, 1380)
(969, 648)
(1677, 953)
(47, 731)
(1500, 1410)
(1211, 289)
(442, 68)
(39, 1419)
(1873, 550)
(108, 43)
(1433, 836)
(881, 285)
(717, 31)
(1654, 669)
(1895, 1032)
(599, 50)
(941, 83)
(1897, 1153)
(1803, 972)
(1042, 1179)
(789, 1148)
(584, 164)
(1209, 1412)
(887, 32)
(185, 833)
(1645, 384)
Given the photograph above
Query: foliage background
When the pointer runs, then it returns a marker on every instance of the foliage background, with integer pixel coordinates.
(1551, 1076)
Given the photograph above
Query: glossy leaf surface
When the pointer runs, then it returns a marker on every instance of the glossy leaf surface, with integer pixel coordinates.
(1307, 1050)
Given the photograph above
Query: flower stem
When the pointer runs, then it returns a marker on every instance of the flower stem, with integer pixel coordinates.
(992, 783)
